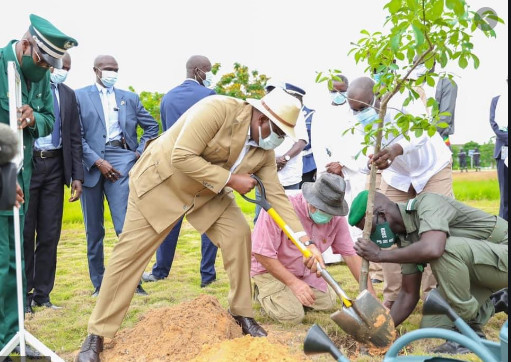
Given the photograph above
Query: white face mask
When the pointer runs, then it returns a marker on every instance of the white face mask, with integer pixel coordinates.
(109, 78)
(208, 81)
(58, 76)
(271, 142)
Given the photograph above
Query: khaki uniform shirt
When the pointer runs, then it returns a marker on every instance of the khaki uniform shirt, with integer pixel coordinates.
(437, 212)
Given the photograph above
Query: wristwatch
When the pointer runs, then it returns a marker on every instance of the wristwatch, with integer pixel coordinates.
(308, 242)
(287, 157)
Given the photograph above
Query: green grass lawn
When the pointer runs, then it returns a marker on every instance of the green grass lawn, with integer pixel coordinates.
(63, 330)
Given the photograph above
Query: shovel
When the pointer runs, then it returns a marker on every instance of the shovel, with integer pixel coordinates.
(364, 318)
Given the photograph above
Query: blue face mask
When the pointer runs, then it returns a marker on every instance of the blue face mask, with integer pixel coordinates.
(320, 217)
(377, 77)
(108, 78)
(368, 115)
(338, 98)
(58, 76)
(271, 142)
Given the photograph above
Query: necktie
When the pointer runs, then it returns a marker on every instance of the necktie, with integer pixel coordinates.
(55, 135)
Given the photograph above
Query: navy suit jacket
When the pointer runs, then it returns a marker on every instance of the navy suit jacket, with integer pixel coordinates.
(179, 99)
(502, 136)
(92, 120)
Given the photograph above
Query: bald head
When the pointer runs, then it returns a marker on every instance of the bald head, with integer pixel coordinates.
(197, 62)
(340, 86)
(102, 60)
(66, 61)
(360, 93)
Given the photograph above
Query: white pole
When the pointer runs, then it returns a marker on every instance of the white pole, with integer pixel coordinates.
(19, 280)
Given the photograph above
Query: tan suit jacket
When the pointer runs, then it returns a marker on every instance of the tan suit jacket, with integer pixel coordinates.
(184, 171)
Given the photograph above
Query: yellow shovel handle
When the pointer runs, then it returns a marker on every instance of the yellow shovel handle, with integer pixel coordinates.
(290, 234)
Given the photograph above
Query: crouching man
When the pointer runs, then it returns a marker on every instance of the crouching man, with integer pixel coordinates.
(466, 248)
(284, 285)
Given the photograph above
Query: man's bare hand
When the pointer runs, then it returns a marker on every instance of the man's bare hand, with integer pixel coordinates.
(26, 116)
(20, 198)
(367, 250)
(241, 183)
(311, 262)
(385, 157)
(303, 292)
(335, 168)
(76, 190)
(108, 171)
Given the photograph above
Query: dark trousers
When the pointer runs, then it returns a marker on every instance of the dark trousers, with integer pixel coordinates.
(503, 186)
(166, 251)
(43, 224)
(308, 177)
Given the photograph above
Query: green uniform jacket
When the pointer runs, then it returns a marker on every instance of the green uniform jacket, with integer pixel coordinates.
(39, 97)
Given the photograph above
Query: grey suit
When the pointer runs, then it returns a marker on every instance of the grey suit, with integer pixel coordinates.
(95, 187)
(445, 95)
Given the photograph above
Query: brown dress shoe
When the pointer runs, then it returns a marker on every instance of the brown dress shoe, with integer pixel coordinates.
(91, 348)
(249, 326)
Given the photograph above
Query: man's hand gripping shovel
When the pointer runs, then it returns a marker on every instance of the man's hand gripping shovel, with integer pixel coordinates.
(364, 318)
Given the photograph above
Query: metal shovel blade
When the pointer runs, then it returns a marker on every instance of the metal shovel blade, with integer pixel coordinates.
(368, 321)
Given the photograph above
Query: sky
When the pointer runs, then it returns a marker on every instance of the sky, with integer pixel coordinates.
(288, 40)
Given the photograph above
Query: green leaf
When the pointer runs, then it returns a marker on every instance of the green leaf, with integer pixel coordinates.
(419, 36)
(463, 62)
(395, 41)
(418, 132)
(318, 76)
(436, 10)
(476, 61)
(430, 81)
(394, 6)
(431, 131)
(442, 125)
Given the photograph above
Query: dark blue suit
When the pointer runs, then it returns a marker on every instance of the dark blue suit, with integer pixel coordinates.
(173, 105)
(131, 114)
(501, 141)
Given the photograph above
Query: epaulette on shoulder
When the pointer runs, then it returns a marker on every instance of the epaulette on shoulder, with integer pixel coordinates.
(411, 206)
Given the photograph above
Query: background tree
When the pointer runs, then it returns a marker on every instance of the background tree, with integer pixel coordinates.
(151, 102)
(241, 82)
(419, 31)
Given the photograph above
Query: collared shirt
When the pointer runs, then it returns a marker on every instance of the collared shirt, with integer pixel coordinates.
(422, 158)
(44, 143)
(270, 241)
(441, 213)
(111, 113)
(292, 173)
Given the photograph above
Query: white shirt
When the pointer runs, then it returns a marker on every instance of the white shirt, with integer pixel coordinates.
(329, 144)
(292, 173)
(111, 113)
(422, 158)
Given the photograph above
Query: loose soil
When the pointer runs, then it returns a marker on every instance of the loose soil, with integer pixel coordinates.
(199, 329)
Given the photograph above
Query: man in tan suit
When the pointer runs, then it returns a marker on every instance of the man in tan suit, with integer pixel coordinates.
(191, 170)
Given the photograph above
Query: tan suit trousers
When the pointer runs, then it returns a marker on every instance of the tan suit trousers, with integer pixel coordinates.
(280, 303)
(441, 183)
(137, 245)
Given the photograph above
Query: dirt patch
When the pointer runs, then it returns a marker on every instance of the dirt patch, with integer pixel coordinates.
(199, 329)
(247, 349)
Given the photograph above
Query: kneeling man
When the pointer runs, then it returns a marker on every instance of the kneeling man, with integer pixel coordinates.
(284, 285)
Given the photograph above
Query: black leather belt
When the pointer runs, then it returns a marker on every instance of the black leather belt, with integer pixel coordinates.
(115, 143)
(48, 154)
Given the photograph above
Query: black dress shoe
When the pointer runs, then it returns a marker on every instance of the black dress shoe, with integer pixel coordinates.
(91, 348)
(205, 284)
(249, 326)
(95, 293)
(28, 309)
(500, 301)
(450, 347)
(29, 352)
(140, 290)
(47, 304)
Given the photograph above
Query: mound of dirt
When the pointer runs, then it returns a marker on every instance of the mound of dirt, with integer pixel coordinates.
(247, 349)
(175, 333)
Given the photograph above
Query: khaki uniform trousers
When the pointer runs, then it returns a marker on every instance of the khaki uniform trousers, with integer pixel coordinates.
(441, 184)
(137, 245)
(279, 302)
(468, 272)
